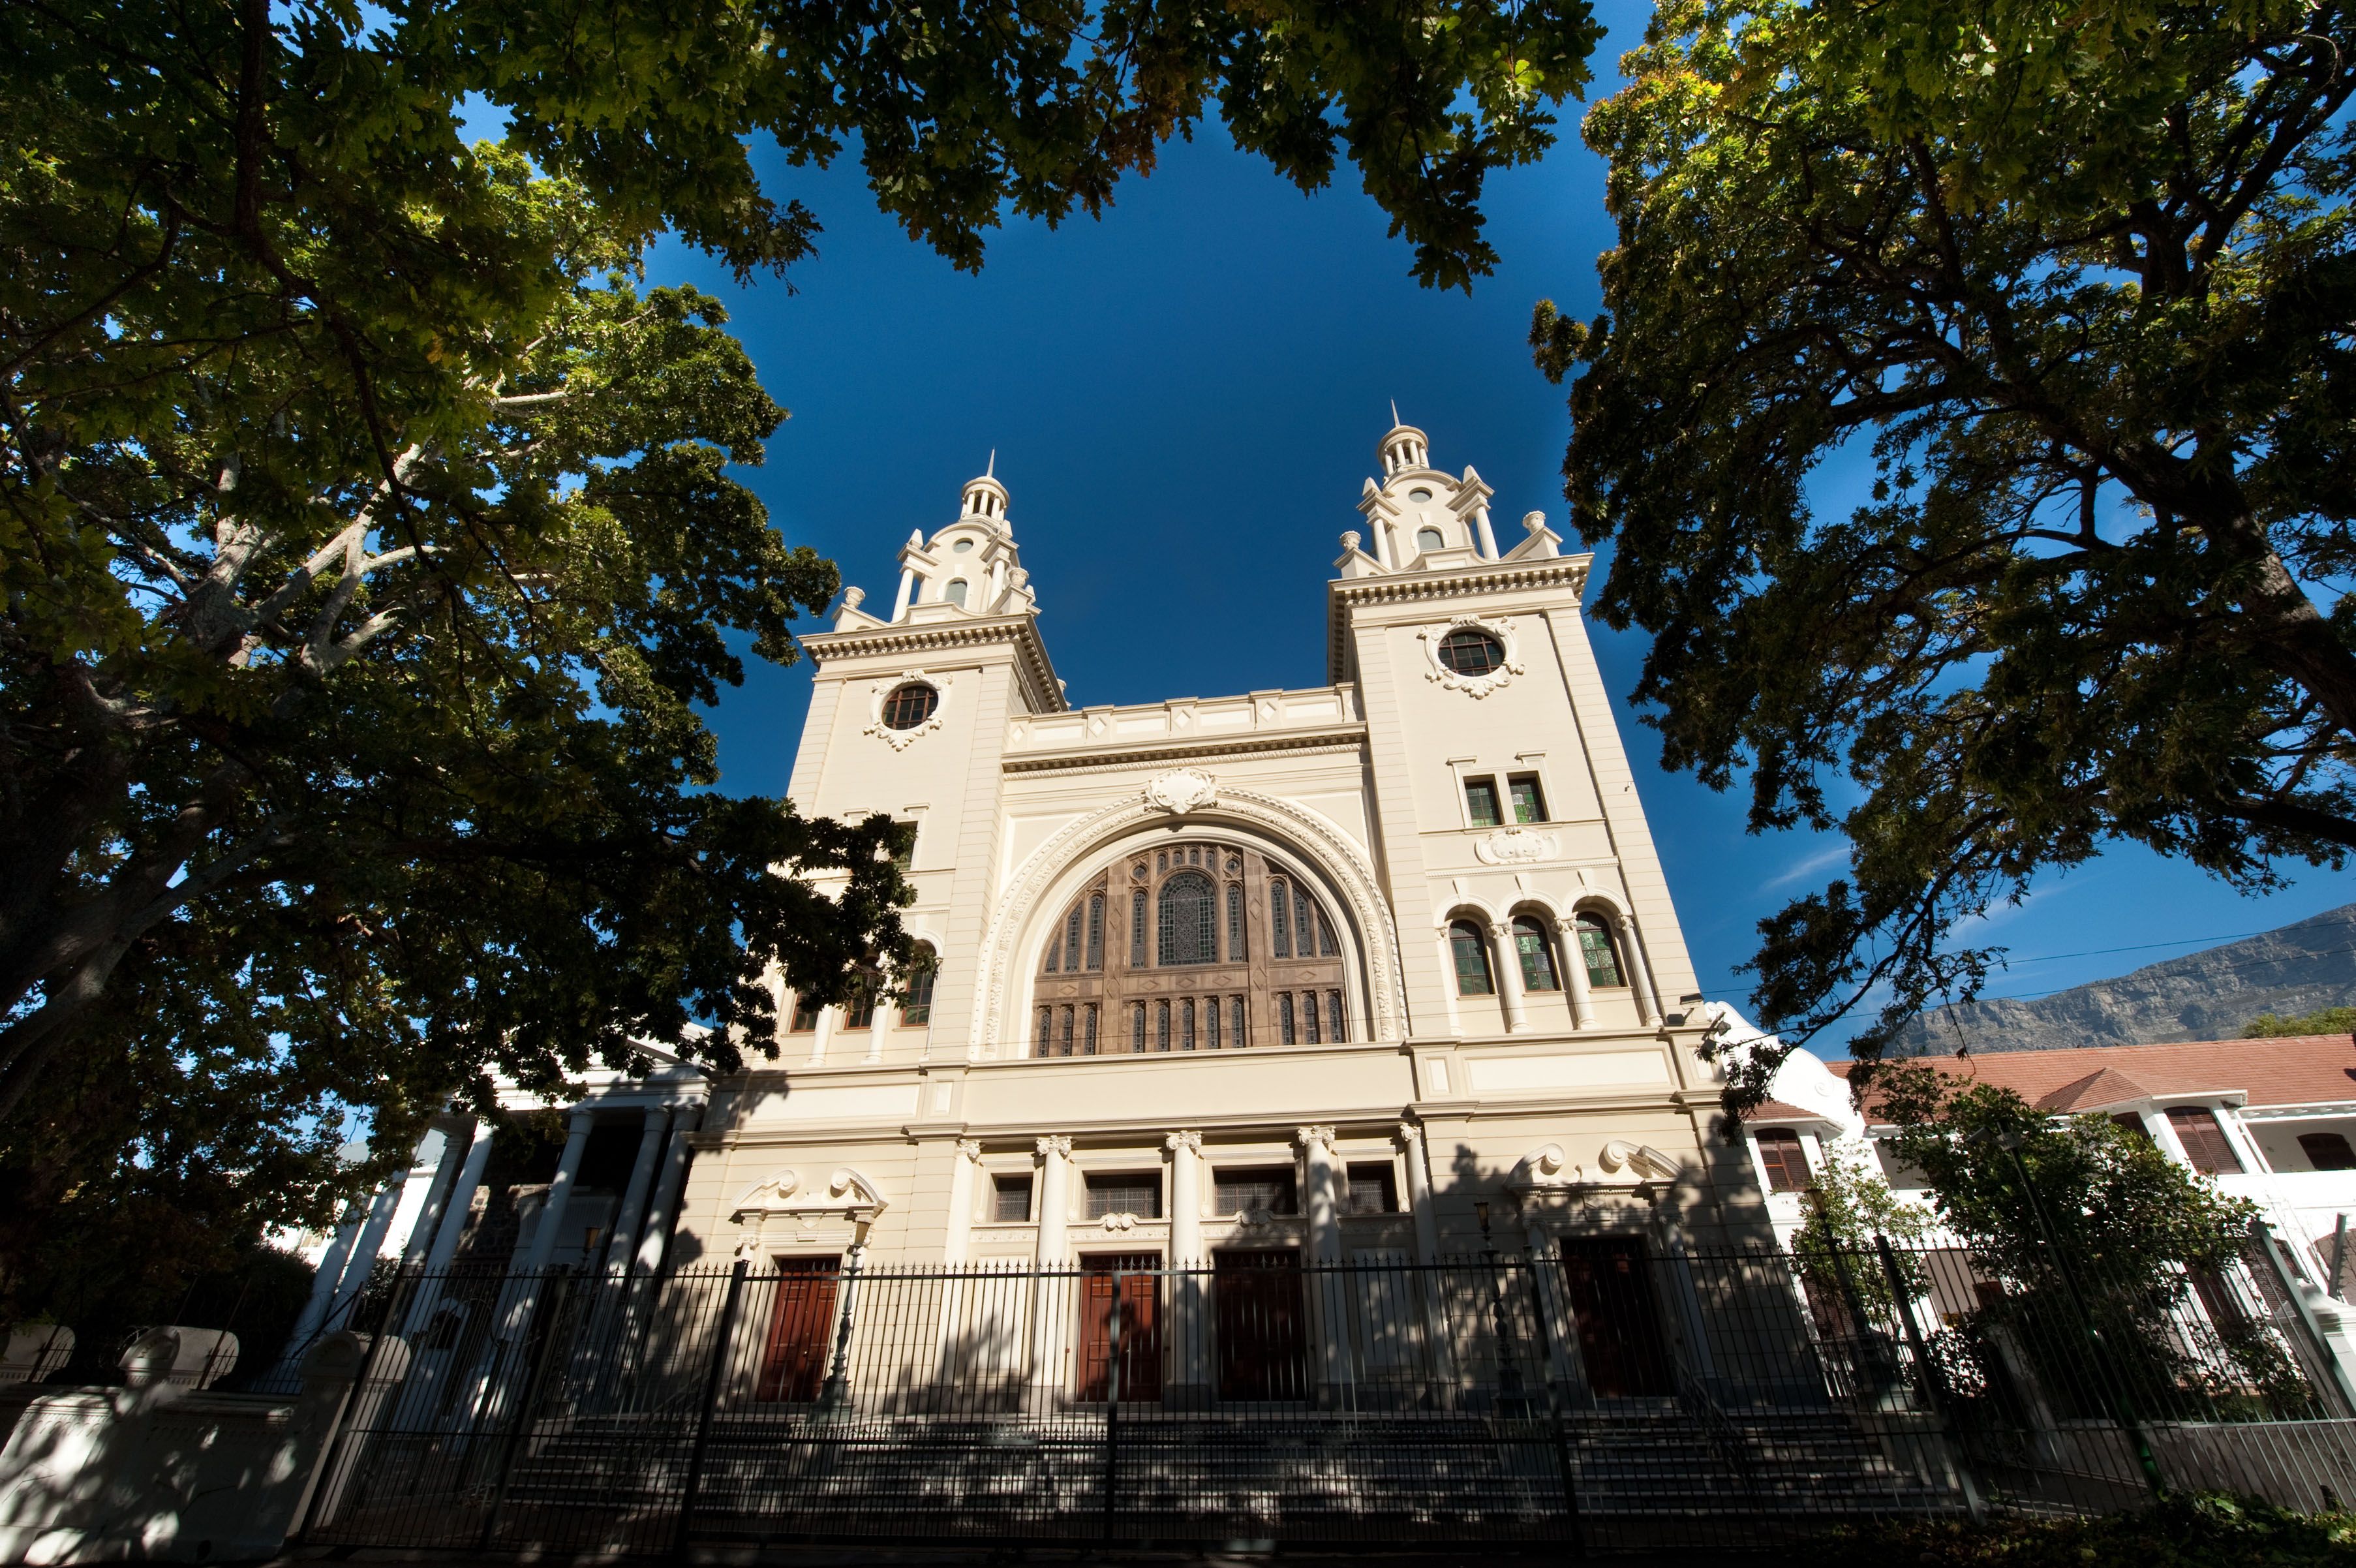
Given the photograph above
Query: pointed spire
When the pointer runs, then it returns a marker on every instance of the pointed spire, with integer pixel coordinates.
(1394, 418)
(992, 472)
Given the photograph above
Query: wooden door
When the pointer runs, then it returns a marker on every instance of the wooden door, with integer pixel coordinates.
(801, 1330)
(1263, 1352)
(1134, 1280)
(1610, 1291)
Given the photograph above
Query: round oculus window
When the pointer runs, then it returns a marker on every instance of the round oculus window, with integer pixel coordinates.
(1418, 495)
(910, 704)
(1471, 653)
(962, 546)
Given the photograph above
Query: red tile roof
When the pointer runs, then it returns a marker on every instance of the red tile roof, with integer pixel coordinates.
(1784, 1110)
(2295, 1070)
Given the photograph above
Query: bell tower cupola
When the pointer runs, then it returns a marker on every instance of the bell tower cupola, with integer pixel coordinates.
(1403, 448)
(985, 498)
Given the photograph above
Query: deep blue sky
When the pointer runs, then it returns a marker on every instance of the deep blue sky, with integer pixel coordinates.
(1185, 399)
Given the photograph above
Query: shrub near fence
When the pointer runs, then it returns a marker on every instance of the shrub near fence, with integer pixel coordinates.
(1618, 1396)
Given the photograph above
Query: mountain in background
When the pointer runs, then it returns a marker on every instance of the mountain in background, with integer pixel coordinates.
(2208, 995)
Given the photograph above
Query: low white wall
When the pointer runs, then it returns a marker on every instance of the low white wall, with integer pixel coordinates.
(169, 1473)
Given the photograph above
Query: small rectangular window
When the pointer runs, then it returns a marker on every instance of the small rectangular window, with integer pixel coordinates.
(1336, 1030)
(1125, 1192)
(1529, 803)
(903, 845)
(1284, 1017)
(805, 1015)
(1010, 1199)
(1372, 1189)
(1787, 1162)
(1271, 1191)
(1091, 1048)
(2327, 1151)
(1481, 802)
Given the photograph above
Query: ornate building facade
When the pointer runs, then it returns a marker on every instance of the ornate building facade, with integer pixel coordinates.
(1305, 972)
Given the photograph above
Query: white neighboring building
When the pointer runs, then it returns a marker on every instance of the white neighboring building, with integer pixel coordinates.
(2272, 1121)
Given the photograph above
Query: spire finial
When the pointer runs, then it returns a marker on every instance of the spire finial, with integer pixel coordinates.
(992, 472)
(1394, 418)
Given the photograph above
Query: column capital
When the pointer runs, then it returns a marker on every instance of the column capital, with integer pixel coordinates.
(970, 1148)
(1625, 920)
(1310, 1137)
(1409, 1134)
(1501, 928)
(582, 1120)
(1053, 1146)
(1189, 1141)
(1566, 924)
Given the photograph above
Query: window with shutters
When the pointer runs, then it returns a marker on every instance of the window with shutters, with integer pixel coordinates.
(1785, 1161)
(2203, 1140)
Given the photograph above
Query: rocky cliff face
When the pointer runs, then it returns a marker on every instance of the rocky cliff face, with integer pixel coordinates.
(2207, 995)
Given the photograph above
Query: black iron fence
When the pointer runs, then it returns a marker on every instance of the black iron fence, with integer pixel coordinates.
(1622, 1395)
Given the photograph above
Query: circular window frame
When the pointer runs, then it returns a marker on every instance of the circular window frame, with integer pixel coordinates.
(881, 691)
(1473, 686)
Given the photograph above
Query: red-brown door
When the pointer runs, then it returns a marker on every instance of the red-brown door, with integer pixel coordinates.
(1612, 1301)
(1263, 1354)
(1132, 1279)
(801, 1327)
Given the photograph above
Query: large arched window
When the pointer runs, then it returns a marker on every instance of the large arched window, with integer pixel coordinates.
(1187, 915)
(1601, 953)
(955, 591)
(1191, 905)
(1470, 947)
(1536, 951)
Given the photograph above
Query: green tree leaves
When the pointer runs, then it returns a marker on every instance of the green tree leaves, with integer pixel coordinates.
(2080, 281)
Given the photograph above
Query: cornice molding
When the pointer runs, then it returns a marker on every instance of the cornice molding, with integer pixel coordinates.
(1022, 631)
(1351, 738)
(1344, 594)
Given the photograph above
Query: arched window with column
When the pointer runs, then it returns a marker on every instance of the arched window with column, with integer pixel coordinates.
(1535, 948)
(1600, 951)
(1469, 946)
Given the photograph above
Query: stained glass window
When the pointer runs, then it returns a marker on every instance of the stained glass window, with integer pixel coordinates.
(1480, 802)
(1055, 955)
(1137, 1026)
(1096, 931)
(1188, 920)
(1310, 1033)
(1280, 910)
(1161, 1026)
(1284, 1017)
(1186, 1025)
(1470, 950)
(1336, 1029)
(1530, 806)
(1602, 957)
(910, 703)
(1046, 1019)
(1304, 924)
(1063, 1046)
(1325, 948)
(1091, 1048)
(1137, 929)
(1469, 651)
(1235, 922)
(1072, 938)
(1537, 954)
(1211, 1025)
(1236, 1038)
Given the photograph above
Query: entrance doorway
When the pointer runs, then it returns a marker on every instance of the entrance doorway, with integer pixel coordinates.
(801, 1325)
(1612, 1301)
(1134, 1280)
(1263, 1354)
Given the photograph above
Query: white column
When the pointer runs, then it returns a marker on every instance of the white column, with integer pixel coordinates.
(1509, 977)
(1185, 1198)
(624, 1242)
(879, 1025)
(1639, 976)
(1574, 973)
(997, 584)
(662, 1217)
(324, 1283)
(961, 1231)
(1488, 540)
(822, 1031)
(437, 1193)
(1323, 1200)
(1418, 1194)
(1049, 1297)
(362, 1262)
(1382, 539)
(559, 1192)
(456, 1211)
(907, 587)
